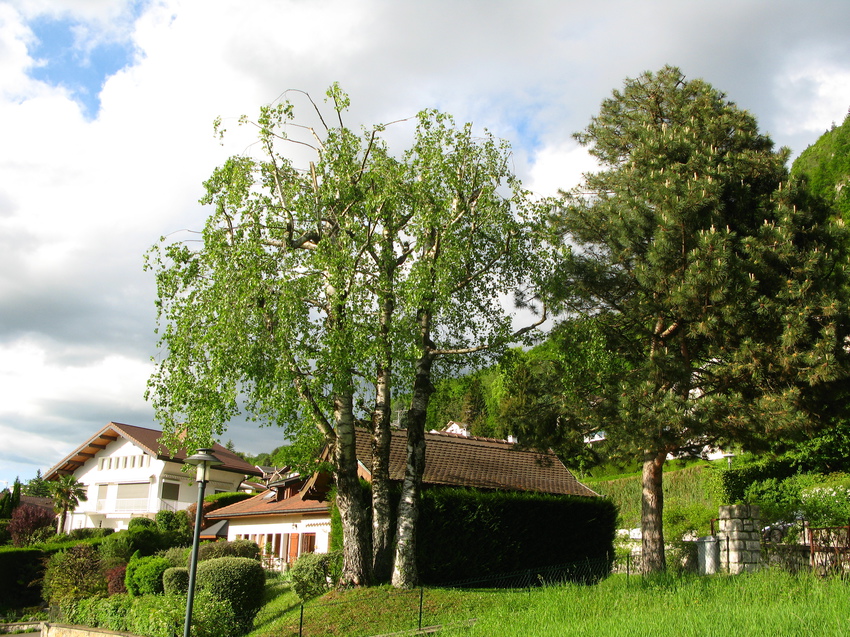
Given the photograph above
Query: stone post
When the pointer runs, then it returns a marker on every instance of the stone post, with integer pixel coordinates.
(740, 538)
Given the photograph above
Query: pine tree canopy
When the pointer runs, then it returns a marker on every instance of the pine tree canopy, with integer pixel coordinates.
(725, 298)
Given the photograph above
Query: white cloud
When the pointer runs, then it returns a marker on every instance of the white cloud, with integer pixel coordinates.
(81, 201)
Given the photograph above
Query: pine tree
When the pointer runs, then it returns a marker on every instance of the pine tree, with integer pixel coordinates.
(726, 300)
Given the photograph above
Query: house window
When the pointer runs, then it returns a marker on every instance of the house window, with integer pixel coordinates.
(308, 543)
(132, 461)
(170, 491)
(101, 464)
(136, 490)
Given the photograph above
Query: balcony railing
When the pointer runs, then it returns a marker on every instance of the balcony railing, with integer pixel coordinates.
(122, 505)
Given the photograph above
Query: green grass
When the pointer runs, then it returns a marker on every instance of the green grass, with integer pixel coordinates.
(690, 487)
(769, 602)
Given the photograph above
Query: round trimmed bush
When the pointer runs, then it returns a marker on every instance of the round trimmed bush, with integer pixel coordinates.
(141, 523)
(175, 580)
(313, 573)
(237, 580)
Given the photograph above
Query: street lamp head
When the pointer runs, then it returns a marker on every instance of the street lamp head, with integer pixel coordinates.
(203, 460)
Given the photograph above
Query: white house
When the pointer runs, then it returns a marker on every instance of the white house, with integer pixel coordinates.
(128, 474)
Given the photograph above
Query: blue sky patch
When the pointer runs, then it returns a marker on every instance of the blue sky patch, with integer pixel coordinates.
(70, 64)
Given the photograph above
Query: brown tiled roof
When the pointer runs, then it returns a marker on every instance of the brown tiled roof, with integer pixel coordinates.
(147, 440)
(266, 503)
(483, 463)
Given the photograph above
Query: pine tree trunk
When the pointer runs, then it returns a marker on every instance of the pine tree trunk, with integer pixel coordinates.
(357, 560)
(652, 509)
(405, 571)
(382, 555)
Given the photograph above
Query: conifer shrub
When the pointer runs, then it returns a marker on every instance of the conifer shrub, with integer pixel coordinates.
(240, 581)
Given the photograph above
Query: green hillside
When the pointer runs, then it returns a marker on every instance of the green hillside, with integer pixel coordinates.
(826, 166)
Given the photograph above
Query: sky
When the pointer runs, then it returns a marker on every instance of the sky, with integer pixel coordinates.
(106, 112)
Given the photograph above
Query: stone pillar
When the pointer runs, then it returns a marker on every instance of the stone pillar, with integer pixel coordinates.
(739, 538)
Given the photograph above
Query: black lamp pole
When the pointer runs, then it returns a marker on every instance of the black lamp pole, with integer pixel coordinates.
(203, 460)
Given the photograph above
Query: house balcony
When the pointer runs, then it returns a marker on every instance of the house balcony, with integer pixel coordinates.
(139, 505)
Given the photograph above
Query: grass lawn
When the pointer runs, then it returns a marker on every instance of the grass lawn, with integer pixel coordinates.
(766, 603)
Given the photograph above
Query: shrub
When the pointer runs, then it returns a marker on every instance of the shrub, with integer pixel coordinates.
(237, 580)
(162, 616)
(115, 579)
(141, 523)
(177, 555)
(826, 505)
(26, 521)
(74, 574)
(313, 574)
(222, 548)
(175, 580)
(85, 534)
(5, 536)
(111, 612)
(124, 544)
(21, 570)
(174, 522)
(144, 575)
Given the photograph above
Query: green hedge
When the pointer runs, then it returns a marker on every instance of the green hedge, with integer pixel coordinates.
(223, 548)
(314, 573)
(227, 498)
(466, 534)
(22, 570)
(735, 482)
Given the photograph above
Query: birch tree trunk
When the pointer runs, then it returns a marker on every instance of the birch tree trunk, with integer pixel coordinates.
(357, 562)
(405, 571)
(652, 509)
(382, 556)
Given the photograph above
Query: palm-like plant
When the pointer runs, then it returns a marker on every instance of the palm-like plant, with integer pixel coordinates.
(67, 492)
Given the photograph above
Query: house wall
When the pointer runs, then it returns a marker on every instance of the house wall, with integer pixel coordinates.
(287, 536)
(124, 482)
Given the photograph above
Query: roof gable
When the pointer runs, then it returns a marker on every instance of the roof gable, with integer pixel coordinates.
(147, 440)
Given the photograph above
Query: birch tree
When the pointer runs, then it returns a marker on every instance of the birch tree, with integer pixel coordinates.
(315, 287)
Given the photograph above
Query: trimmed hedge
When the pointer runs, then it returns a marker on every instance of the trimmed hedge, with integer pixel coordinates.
(22, 570)
(223, 548)
(240, 581)
(140, 523)
(175, 580)
(465, 534)
(74, 574)
(735, 482)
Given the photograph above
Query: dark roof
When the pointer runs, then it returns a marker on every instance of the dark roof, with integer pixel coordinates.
(267, 503)
(482, 463)
(214, 531)
(35, 501)
(148, 441)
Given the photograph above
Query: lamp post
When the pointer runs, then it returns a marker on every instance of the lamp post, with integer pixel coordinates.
(203, 461)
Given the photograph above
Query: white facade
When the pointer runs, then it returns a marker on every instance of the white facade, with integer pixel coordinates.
(124, 481)
(281, 543)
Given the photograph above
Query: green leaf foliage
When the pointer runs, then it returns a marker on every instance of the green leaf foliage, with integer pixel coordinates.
(313, 574)
(239, 581)
(144, 575)
(73, 574)
(175, 580)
